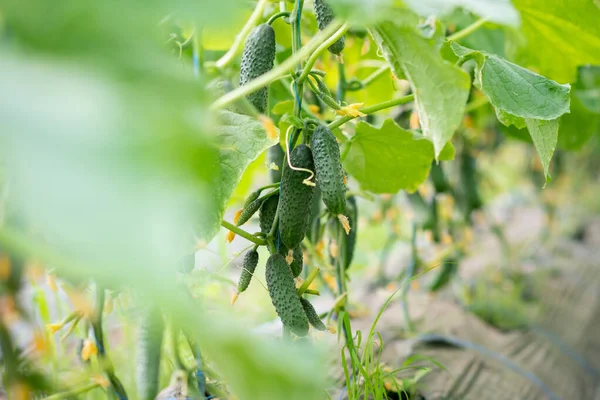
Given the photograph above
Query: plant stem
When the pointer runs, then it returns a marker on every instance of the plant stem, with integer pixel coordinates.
(468, 30)
(279, 71)
(369, 79)
(239, 39)
(324, 46)
(309, 279)
(278, 15)
(341, 89)
(73, 393)
(373, 109)
(475, 104)
(239, 231)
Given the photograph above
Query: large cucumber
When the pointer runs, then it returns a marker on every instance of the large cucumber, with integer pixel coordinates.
(148, 353)
(284, 295)
(295, 198)
(248, 267)
(324, 16)
(257, 59)
(298, 258)
(330, 176)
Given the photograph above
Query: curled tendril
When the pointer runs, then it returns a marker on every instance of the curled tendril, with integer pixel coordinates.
(307, 181)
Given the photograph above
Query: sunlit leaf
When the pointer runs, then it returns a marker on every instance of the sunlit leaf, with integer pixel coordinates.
(500, 11)
(544, 135)
(389, 158)
(441, 89)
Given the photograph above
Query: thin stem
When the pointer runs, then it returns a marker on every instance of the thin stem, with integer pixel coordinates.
(320, 49)
(281, 70)
(239, 39)
(309, 279)
(73, 393)
(341, 89)
(239, 231)
(369, 79)
(468, 30)
(373, 109)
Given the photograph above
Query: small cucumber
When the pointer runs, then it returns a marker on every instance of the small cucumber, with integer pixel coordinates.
(469, 183)
(324, 16)
(311, 314)
(295, 197)
(445, 275)
(267, 212)
(350, 239)
(438, 178)
(248, 267)
(284, 295)
(148, 353)
(257, 59)
(275, 156)
(249, 211)
(330, 176)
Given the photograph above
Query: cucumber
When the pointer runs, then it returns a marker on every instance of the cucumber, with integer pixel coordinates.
(257, 59)
(349, 241)
(443, 277)
(311, 314)
(438, 178)
(314, 224)
(295, 198)
(284, 295)
(249, 265)
(266, 215)
(249, 211)
(330, 176)
(275, 156)
(324, 16)
(469, 183)
(298, 261)
(148, 353)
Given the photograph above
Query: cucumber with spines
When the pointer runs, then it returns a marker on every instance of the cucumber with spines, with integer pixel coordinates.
(148, 353)
(257, 59)
(324, 16)
(295, 198)
(314, 224)
(249, 211)
(266, 214)
(248, 268)
(350, 239)
(312, 316)
(328, 165)
(298, 259)
(284, 295)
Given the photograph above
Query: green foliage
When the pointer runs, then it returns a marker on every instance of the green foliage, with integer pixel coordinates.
(500, 11)
(284, 295)
(440, 107)
(296, 197)
(389, 158)
(330, 176)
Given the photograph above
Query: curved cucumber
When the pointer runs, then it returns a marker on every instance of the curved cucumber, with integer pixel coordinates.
(249, 211)
(311, 314)
(249, 265)
(324, 16)
(148, 354)
(257, 59)
(295, 197)
(284, 295)
(330, 176)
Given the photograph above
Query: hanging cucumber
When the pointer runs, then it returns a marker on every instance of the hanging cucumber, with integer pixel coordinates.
(275, 157)
(295, 197)
(314, 224)
(438, 178)
(350, 239)
(266, 214)
(324, 16)
(148, 353)
(330, 176)
(468, 182)
(284, 295)
(257, 59)
(248, 211)
(311, 314)
(248, 267)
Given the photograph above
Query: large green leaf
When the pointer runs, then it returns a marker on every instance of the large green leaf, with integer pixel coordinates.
(389, 158)
(544, 135)
(360, 11)
(441, 89)
(556, 37)
(500, 11)
(241, 139)
(521, 98)
(577, 127)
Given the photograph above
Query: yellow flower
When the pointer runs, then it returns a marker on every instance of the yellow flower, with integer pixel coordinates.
(89, 349)
(237, 215)
(53, 328)
(230, 236)
(270, 128)
(351, 110)
(51, 282)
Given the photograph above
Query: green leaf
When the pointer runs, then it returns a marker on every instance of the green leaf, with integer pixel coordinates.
(577, 127)
(516, 90)
(500, 11)
(241, 139)
(360, 11)
(389, 158)
(556, 37)
(544, 135)
(441, 89)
